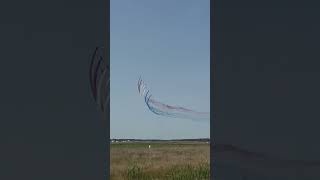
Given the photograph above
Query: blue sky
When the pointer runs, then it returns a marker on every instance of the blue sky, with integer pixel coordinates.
(167, 42)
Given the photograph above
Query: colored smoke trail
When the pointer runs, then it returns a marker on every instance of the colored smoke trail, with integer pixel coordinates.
(168, 110)
(242, 162)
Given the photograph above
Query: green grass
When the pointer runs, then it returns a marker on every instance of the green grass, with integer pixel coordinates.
(164, 161)
(186, 172)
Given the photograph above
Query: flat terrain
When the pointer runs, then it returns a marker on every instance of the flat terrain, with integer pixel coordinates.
(164, 160)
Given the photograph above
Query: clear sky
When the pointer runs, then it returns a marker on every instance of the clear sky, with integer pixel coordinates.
(167, 42)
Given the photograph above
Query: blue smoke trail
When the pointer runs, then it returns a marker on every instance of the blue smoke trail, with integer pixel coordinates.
(168, 110)
(231, 156)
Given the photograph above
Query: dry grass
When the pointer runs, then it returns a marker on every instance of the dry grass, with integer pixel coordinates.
(161, 161)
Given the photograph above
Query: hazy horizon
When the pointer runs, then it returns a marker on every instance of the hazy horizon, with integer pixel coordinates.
(173, 139)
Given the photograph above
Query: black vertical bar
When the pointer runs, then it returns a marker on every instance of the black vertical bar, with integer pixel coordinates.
(107, 111)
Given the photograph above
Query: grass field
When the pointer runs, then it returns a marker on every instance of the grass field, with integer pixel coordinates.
(164, 160)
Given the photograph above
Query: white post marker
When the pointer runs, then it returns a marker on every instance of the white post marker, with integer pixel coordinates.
(149, 146)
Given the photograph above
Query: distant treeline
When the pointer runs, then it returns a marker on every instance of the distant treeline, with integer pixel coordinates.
(197, 140)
